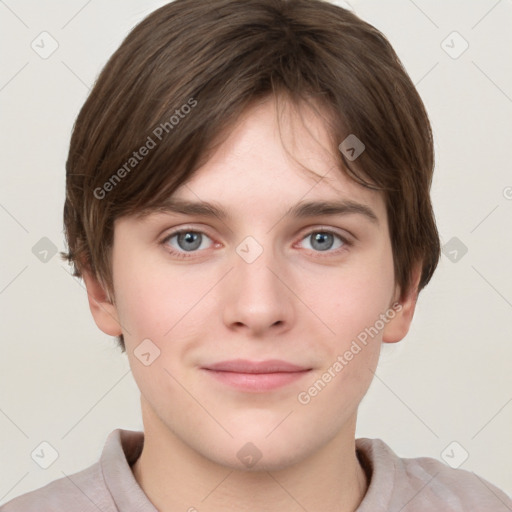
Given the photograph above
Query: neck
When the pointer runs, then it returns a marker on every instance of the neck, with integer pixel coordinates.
(176, 477)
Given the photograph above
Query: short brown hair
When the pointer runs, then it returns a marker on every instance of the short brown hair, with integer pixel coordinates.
(216, 57)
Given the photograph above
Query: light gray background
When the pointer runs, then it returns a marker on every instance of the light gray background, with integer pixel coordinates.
(63, 381)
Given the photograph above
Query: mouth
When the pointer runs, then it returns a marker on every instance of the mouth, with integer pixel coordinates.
(256, 376)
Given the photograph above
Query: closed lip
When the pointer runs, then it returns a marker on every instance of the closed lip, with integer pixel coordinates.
(247, 366)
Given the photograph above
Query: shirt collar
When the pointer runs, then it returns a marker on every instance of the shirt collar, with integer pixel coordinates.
(123, 448)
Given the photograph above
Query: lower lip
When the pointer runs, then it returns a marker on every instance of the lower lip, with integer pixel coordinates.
(257, 381)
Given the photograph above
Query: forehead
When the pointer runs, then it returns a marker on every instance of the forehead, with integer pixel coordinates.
(274, 160)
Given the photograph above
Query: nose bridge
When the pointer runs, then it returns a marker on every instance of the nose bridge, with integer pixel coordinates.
(257, 297)
(255, 262)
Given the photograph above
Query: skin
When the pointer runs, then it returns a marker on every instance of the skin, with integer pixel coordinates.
(295, 302)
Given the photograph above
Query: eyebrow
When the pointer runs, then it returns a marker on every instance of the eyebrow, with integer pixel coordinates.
(300, 210)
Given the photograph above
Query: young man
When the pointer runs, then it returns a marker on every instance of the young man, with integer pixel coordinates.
(284, 142)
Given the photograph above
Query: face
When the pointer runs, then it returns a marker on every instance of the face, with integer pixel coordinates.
(308, 296)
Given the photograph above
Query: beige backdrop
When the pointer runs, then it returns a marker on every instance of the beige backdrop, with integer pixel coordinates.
(444, 392)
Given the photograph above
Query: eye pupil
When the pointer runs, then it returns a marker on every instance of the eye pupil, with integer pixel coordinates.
(187, 237)
(321, 237)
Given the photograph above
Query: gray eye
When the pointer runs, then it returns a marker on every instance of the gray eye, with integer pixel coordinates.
(189, 240)
(324, 240)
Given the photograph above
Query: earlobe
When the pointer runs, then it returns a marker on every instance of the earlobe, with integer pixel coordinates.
(103, 310)
(398, 326)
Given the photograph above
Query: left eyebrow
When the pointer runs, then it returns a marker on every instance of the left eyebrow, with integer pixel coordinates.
(331, 208)
(300, 210)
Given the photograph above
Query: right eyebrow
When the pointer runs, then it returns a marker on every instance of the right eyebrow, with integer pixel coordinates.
(185, 207)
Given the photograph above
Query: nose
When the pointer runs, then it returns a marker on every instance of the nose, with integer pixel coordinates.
(257, 296)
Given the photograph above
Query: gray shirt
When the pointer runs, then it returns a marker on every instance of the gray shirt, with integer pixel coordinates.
(396, 484)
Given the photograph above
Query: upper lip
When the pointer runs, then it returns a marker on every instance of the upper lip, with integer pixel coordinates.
(246, 366)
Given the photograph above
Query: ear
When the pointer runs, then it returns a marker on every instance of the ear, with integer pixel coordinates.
(103, 310)
(398, 326)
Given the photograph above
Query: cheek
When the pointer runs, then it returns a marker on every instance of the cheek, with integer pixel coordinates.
(353, 298)
(350, 303)
(155, 304)
(152, 296)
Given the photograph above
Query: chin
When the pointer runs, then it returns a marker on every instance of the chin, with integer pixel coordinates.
(258, 453)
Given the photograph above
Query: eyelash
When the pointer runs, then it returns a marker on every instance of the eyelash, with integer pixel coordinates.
(185, 255)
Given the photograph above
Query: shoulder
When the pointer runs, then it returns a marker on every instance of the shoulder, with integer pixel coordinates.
(418, 484)
(84, 491)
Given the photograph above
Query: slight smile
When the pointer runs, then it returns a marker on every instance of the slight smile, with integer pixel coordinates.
(256, 376)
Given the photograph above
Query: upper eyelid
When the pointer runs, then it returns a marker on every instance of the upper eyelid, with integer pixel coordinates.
(347, 240)
(177, 231)
(303, 232)
(308, 229)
